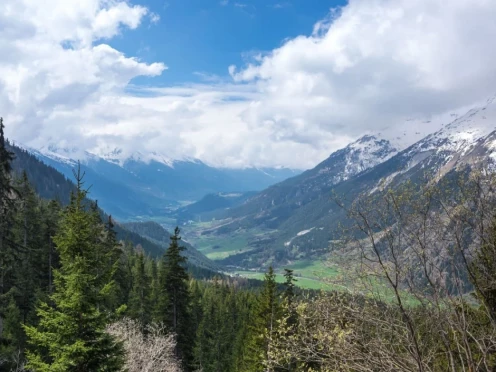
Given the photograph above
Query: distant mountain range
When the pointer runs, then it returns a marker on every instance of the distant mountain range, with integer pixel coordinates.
(211, 206)
(153, 184)
(302, 216)
(153, 239)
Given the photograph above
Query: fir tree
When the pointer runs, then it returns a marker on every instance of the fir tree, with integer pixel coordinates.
(289, 297)
(27, 232)
(175, 300)
(51, 211)
(139, 307)
(109, 265)
(8, 249)
(264, 326)
(71, 333)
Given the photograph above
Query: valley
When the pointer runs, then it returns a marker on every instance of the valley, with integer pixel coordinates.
(293, 223)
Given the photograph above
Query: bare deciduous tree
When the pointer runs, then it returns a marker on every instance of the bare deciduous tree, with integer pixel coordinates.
(149, 351)
(421, 258)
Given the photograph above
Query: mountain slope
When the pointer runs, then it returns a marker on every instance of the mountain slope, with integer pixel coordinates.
(158, 235)
(273, 206)
(211, 206)
(301, 213)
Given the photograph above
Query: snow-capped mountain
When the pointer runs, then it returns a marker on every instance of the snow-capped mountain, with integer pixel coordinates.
(148, 184)
(469, 139)
(305, 204)
(280, 201)
(364, 153)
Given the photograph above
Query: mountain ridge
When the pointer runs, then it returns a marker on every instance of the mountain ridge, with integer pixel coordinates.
(300, 212)
(136, 188)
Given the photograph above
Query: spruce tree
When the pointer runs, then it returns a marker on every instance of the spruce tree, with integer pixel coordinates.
(289, 297)
(8, 249)
(109, 260)
(51, 212)
(71, 333)
(27, 235)
(174, 305)
(289, 314)
(139, 307)
(267, 313)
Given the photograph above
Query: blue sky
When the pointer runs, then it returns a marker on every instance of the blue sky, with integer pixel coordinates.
(91, 74)
(206, 36)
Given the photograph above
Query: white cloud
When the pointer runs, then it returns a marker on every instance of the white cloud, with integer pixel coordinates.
(281, 5)
(154, 18)
(374, 63)
(366, 67)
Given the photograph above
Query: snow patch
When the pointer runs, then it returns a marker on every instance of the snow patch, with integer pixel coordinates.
(301, 233)
(304, 232)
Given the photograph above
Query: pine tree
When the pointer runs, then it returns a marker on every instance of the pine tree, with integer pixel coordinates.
(289, 297)
(139, 307)
(51, 212)
(267, 313)
(154, 285)
(27, 235)
(287, 325)
(109, 265)
(13, 337)
(8, 248)
(71, 333)
(174, 305)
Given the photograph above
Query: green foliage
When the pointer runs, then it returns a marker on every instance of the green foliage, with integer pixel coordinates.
(264, 323)
(71, 332)
(174, 300)
(139, 299)
(159, 236)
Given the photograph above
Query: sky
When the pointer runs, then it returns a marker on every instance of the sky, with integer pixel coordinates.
(237, 83)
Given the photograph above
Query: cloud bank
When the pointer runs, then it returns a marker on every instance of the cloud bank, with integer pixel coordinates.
(366, 67)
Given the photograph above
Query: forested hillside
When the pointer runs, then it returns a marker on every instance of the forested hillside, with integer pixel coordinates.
(155, 233)
(50, 184)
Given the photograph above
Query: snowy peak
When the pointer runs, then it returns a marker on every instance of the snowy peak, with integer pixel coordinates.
(467, 140)
(367, 152)
(51, 152)
(462, 136)
(364, 153)
(119, 157)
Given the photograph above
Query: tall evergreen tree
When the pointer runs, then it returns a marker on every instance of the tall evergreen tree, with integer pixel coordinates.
(139, 307)
(289, 297)
(27, 234)
(175, 304)
(7, 247)
(51, 211)
(109, 260)
(264, 323)
(71, 333)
